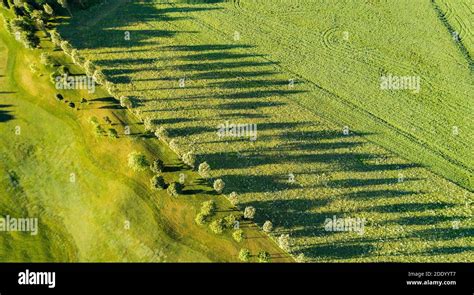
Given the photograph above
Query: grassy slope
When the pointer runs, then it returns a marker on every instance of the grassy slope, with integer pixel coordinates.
(335, 174)
(85, 220)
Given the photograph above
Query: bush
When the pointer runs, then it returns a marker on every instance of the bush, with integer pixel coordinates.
(244, 255)
(238, 235)
(157, 166)
(161, 133)
(217, 226)
(157, 182)
(219, 185)
(204, 170)
(137, 161)
(59, 97)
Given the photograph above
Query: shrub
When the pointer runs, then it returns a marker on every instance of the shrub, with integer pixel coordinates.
(137, 161)
(59, 96)
(249, 212)
(157, 166)
(157, 182)
(244, 255)
(93, 120)
(217, 226)
(72, 105)
(238, 235)
(98, 130)
(204, 170)
(219, 185)
(267, 226)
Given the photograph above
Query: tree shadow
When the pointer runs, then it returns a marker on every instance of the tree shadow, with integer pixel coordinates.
(5, 115)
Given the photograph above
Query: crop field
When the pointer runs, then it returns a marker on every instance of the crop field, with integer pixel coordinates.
(89, 205)
(330, 141)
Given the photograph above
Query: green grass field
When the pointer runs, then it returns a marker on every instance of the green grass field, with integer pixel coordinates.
(401, 167)
(105, 212)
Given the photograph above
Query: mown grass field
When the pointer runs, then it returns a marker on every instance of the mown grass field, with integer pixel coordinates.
(237, 58)
(109, 213)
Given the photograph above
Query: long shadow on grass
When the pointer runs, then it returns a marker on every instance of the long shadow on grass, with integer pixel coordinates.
(5, 115)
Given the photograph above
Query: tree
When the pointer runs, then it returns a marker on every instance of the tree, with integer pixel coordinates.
(125, 102)
(204, 170)
(249, 212)
(208, 208)
(64, 4)
(219, 185)
(157, 182)
(30, 40)
(148, 124)
(189, 159)
(230, 220)
(48, 9)
(112, 133)
(233, 198)
(200, 219)
(263, 256)
(238, 235)
(174, 189)
(66, 47)
(107, 120)
(284, 242)
(89, 68)
(217, 226)
(301, 258)
(55, 38)
(157, 166)
(77, 58)
(99, 77)
(161, 133)
(244, 254)
(267, 226)
(46, 59)
(137, 161)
